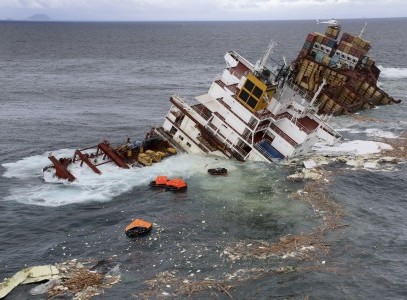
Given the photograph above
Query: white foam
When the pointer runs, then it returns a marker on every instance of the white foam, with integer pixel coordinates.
(94, 187)
(356, 147)
(350, 130)
(32, 166)
(375, 132)
(393, 73)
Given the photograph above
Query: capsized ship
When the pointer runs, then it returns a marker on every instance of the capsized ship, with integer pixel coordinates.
(344, 62)
(249, 113)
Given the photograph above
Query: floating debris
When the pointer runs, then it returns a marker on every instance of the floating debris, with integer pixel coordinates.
(27, 275)
(177, 286)
(218, 171)
(81, 282)
(70, 278)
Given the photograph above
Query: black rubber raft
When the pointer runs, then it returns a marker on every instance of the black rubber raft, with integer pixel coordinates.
(218, 171)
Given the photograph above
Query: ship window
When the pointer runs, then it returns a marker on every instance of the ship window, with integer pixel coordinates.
(173, 131)
(189, 145)
(244, 95)
(249, 85)
(252, 102)
(257, 92)
(181, 137)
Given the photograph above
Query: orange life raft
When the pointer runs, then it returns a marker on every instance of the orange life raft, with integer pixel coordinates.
(138, 227)
(176, 184)
(160, 181)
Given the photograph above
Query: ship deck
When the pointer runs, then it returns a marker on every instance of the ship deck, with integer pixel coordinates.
(209, 102)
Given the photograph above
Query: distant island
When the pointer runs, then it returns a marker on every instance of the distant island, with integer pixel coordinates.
(39, 17)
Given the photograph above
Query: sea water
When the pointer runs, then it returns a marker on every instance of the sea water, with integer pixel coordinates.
(71, 85)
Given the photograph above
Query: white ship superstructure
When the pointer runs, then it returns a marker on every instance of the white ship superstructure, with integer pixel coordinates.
(247, 114)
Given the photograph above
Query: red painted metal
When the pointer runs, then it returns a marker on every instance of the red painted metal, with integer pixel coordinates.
(108, 151)
(60, 168)
(84, 159)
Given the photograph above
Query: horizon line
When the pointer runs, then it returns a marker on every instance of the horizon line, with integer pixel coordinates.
(186, 20)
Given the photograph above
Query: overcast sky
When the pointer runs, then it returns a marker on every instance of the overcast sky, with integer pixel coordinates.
(163, 10)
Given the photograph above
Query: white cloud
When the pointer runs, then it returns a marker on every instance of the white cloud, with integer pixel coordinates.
(203, 10)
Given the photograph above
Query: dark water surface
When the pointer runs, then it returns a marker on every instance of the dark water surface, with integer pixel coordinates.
(70, 85)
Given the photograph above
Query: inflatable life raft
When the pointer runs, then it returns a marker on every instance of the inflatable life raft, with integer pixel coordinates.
(176, 184)
(218, 171)
(138, 227)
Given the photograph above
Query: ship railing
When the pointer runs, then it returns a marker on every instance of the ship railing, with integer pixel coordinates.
(296, 89)
(245, 137)
(251, 125)
(197, 106)
(262, 126)
(201, 111)
(284, 135)
(239, 150)
(243, 60)
(200, 146)
(293, 120)
(266, 114)
(303, 128)
(265, 153)
(234, 73)
(236, 148)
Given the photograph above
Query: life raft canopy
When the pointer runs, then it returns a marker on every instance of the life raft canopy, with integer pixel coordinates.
(138, 227)
(176, 184)
(160, 181)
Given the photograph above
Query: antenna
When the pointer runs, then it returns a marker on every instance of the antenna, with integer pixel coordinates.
(260, 64)
(363, 30)
(285, 61)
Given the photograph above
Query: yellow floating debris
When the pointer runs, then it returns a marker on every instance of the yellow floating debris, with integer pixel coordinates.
(171, 150)
(145, 159)
(28, 275)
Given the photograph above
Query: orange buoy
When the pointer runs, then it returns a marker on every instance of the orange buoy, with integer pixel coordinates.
(138, 227)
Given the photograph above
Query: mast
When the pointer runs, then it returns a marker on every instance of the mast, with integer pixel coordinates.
(363, 30)
(261, 63)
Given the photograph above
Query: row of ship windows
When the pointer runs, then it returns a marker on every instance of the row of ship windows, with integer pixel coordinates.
(182, 138)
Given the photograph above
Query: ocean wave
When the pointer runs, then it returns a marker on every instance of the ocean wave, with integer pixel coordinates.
(376, 132)
(91, 187)
(356, 147)
(393, 73)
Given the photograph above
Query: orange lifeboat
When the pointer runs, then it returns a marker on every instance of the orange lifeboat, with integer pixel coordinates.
(138, 227)
(160, 181)
(176, 185)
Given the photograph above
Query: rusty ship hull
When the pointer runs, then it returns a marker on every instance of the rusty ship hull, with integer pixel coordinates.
(125, 156)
